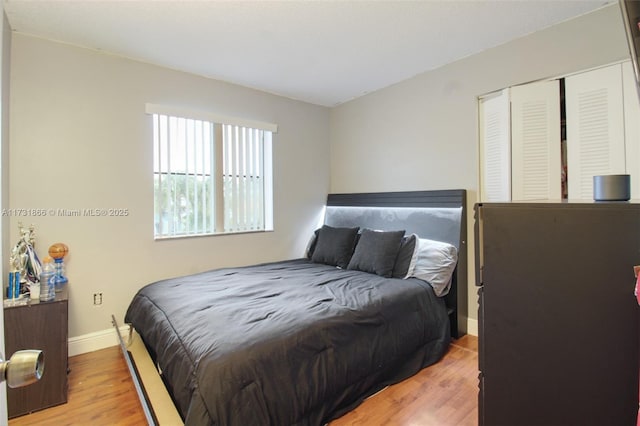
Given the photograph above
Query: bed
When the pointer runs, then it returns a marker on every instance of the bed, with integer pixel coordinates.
(302, 341)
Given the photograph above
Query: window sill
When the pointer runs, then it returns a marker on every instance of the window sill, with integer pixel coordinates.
(214, 234)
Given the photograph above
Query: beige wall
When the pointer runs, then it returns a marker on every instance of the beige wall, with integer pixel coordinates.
(80, 139)
(422, 132)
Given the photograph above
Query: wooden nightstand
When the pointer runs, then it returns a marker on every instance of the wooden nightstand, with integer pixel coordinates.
(39, 325)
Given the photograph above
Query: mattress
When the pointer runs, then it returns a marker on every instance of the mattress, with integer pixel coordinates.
(285, 343)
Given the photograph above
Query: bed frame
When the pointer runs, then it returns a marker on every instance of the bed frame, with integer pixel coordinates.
(438, 215)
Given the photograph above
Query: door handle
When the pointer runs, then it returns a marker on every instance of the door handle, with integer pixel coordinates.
(23, 368)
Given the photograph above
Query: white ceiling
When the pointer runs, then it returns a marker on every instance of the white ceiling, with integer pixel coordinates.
(323, 52)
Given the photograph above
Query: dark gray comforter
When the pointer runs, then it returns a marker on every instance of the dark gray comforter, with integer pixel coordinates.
(286, 343)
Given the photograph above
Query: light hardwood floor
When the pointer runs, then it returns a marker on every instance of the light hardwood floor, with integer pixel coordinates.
(445, 394)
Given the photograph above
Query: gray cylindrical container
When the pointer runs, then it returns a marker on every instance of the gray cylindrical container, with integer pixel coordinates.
(611, 188)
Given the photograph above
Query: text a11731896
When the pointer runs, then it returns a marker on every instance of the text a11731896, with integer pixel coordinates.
(64, 212)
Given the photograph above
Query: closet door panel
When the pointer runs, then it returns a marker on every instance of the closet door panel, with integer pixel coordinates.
(535, 141)
(495, 147)
(631, 127)
(595, 128)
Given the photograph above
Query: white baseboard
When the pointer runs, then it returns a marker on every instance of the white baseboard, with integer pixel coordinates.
(472, 326)
(95, 341)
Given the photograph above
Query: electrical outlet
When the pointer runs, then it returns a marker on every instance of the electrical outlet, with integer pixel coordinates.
(97, 299)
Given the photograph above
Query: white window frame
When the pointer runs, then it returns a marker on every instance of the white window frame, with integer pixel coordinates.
(234, 157)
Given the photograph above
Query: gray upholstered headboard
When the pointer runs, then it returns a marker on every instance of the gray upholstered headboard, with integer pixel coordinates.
(437, 215)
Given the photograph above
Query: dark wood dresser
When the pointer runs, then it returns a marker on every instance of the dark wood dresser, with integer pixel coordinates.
(39, 325)
(558, 320)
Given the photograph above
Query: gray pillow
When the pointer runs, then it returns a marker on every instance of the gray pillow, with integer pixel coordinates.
(434, 263)
(311, 246)
(334, 246)
(376, 252)
(405, 254)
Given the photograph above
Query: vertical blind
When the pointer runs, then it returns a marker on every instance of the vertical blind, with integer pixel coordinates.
(243, 178)
(210, 177)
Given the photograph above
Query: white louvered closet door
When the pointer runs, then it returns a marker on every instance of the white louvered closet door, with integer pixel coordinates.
(595, 128)
(535, 141)
(495, 150)
(631, 127)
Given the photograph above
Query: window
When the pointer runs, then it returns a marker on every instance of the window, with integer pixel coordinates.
(212, 174)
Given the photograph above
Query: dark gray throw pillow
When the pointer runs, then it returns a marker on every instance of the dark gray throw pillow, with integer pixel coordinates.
(312, 243)
(376, 252)
(405, 254)
(334, 246)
